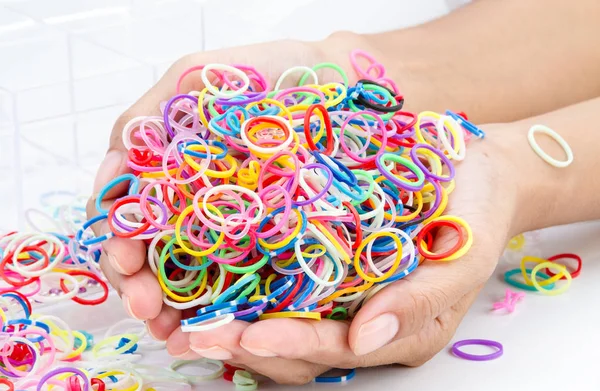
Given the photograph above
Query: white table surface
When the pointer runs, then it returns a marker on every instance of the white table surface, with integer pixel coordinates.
(69, 67)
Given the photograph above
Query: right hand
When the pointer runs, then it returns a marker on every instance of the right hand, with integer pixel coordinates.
(123, 261)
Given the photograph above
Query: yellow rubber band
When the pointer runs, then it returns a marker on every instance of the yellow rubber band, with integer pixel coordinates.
(530, 259)
(333, 241)
(461, 251)
(562, 269)
(292, 314)
(180, 241)
(81, 348)
(133, 339)
(516, 243)
(287, 240)
(441, 208)
(189, 159)
(354, 289)
(357, 264)
(183, 299)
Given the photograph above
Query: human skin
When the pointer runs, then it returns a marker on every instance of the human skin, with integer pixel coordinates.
(467, 61)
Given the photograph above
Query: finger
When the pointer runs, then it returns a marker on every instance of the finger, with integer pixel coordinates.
(292, 372)
(324, 342)
(124, 255)
(419, 348)
(111, 274)
(141, 294)
(404, 307)
(164, 324)
(223, 343)
(178, 345)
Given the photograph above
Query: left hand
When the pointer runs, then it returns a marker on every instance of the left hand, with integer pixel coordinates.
(407, 322)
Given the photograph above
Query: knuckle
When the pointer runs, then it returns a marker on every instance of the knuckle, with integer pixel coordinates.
(428, 304)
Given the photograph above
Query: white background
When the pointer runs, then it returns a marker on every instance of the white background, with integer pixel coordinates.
(68, 68)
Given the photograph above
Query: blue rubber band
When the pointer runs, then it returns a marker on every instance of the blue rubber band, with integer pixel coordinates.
(134, 184)
(522, 285)
(336, 379)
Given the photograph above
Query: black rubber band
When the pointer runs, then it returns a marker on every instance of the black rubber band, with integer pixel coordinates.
(372, 106)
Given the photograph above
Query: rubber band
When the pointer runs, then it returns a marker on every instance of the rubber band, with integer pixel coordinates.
(575, 273)
(556, 137)
(551, 265)
(299, 202)
(473, 357)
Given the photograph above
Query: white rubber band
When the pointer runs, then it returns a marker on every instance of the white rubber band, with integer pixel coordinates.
(210, 324)
(556, 137)
(291, 70)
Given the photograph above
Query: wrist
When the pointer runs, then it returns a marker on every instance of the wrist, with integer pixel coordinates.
(542, 194)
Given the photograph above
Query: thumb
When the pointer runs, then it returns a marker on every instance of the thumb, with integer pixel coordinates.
(404, 307)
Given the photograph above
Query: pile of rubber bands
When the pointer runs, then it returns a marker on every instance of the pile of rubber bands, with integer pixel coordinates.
(48, 267)
(299, 202)
(41, 351)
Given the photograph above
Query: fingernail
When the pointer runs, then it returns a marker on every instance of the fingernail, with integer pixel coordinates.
(258, 351)
(127, 307)
(214, 353)
(115, 264)
(376, 333)
(108, 169)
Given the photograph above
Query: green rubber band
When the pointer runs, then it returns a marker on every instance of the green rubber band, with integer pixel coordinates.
(250, 288)
(406, 163)
(330, 65)
(369, 178)
(338, 313)
(247, 269)
(163, 274)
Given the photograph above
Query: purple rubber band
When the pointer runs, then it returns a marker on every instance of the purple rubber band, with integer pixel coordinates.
(250, 310)
(438, 200)
(443, 157)
(474, 357)
(392, 178)
(166, 116)
(58, 371)
(250, 98)
(403, 135)
(325, 188)
(163, 221)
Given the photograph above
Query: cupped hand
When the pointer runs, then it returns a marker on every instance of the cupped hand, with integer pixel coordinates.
(407, 322)
(123, 261)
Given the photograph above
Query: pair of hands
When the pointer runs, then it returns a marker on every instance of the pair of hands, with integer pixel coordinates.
(407, 322)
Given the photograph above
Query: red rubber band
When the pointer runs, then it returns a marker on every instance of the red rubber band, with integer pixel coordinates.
(427, 229)
(92, 276)
(574, 274)
(111, 215)
(73, 383)
(98, 382)
(8, 383)
(328, 130)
